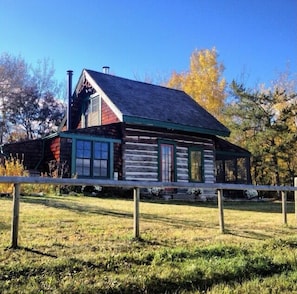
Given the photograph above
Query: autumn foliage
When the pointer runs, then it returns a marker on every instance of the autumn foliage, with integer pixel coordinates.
(11, 167)
(203, 81)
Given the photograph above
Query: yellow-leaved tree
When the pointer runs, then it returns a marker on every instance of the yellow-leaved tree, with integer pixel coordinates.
(203, 81)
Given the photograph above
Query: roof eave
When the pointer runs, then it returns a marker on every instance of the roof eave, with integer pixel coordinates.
(174, 126)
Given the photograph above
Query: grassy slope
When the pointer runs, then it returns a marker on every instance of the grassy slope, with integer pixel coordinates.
(85, 245)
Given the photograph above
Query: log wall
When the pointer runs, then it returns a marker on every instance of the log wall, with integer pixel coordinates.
(140, 153)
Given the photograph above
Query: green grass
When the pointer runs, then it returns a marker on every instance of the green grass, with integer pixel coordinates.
(82, 244)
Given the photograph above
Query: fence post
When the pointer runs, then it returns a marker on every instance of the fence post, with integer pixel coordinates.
(295, 197)
(15, 216)
(284, 206)
(221, 210)
(136, 212)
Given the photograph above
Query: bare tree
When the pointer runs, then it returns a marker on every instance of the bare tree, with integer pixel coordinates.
(29, 104)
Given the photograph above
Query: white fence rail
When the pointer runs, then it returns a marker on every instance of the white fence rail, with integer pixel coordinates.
(136, 185)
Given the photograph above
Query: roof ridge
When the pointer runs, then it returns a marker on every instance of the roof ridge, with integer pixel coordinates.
(135, 81)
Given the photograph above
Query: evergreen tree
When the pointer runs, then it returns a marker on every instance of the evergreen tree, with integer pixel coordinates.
(264, 123)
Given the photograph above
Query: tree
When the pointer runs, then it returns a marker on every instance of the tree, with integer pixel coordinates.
(28, 104)
(13, 75)
(264, 123)
(203, 82)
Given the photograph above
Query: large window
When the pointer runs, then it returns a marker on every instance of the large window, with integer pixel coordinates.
(233, 170)
(196, 165)
(92, 158)
(167, 165)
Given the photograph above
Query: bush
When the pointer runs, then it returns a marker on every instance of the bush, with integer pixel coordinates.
(11, 166)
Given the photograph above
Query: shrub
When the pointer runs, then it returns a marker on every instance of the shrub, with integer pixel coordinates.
(11, 166)
(14, 166)
(251, 193)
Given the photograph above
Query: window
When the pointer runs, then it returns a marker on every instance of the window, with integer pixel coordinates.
(94, 104)
(167, 166)
(196, 165)
(91, 111)
(92, 159)
(230, 170)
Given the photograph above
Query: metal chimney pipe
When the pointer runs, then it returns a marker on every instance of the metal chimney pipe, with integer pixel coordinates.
(105, 69)
(69, 98)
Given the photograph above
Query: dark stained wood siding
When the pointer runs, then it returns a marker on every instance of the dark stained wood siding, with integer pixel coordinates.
(65, 154)
(54, 149)
(118, 161)
(140, 153)
(58, 152)
(109, 131)
(31, 151)
(107, 115)
(66, 150)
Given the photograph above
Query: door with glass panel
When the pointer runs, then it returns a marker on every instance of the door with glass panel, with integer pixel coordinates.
(167, 167)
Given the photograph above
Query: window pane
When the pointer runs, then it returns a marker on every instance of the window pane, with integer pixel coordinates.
(220, 175)
(95, 104)
(230, 170)
(83, 149)
(83, 167)
(196, 165)
(100, 168)
(101, 150)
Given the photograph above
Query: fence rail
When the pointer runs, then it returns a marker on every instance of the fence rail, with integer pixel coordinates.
(141, 184)
(136, 185)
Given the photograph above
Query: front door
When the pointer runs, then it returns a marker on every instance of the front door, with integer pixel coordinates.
(167, 167)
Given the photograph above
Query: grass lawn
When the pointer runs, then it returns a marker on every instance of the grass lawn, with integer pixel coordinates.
(78, 244)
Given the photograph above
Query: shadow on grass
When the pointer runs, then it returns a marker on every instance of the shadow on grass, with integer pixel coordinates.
(259, 206)
(75, 207)
(248, 234)
(178, 223)
(73, 260)
(241, 205)
(4, 226)
(37, 252)
(244, 265)
(56, 203)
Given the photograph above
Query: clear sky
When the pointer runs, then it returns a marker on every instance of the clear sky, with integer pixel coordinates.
(139, 38)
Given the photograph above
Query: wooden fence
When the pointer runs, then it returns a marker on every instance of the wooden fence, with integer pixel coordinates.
(136, 185)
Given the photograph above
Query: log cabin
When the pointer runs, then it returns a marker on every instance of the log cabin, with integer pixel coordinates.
(117, 128)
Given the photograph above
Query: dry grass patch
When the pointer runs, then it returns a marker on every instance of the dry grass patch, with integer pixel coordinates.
(85, 245)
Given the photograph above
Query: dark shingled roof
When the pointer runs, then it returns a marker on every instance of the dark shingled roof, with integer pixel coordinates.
(228, 150)
(143, 101)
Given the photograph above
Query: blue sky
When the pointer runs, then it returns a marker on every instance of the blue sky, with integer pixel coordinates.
(152, 38)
